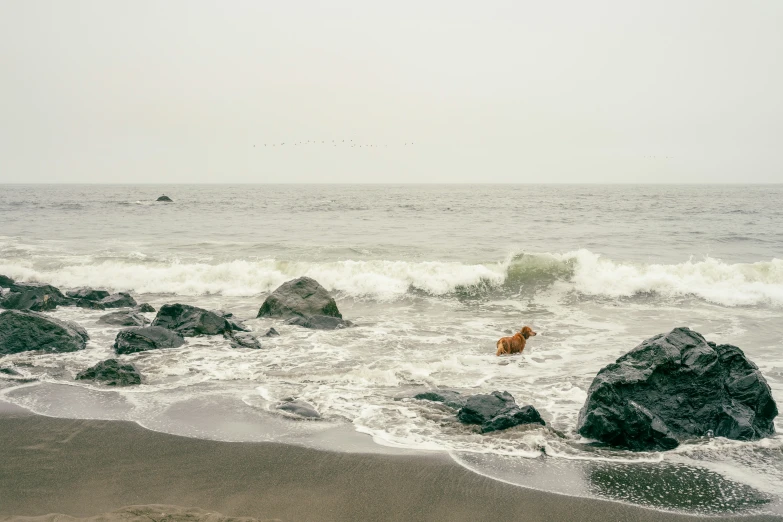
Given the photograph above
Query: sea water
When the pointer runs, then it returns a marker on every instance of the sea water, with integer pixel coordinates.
(431, 276)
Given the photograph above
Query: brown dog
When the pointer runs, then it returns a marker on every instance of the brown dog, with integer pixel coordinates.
(515, 343)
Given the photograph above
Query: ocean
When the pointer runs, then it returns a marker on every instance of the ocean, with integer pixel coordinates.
(432, 276)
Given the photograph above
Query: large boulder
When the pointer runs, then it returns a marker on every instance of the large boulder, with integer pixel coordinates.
(88, 294)
(111, 373)
(123, 318)
(6, 282)
(677, 386)
(497, 411)
(141, 339)
(302, 297)
(38, 297)
(191, 320)
(118, 300)
(22, 331)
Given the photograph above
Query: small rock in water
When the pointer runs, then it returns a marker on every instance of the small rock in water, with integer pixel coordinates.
(88, 294)
(320, 322)
(112, 373)
(123, 318)
(271, 333)
(164, 198)
(145, 307)
(235, 323)
(301, 408)
(450, 398)
(497, 411)
(9, 371)
(141, 339)
(191, 321)
(118, 300)
(244, 340)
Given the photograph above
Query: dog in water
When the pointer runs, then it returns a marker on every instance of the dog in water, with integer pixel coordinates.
(515, 343)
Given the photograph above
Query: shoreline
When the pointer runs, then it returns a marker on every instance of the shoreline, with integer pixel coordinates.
(85, 468)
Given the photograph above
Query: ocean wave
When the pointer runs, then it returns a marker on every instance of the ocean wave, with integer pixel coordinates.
(588, 273)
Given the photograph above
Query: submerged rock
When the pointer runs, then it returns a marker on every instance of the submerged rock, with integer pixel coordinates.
(677, 386)
(300, 408)
(271, 333)
(123, 318)
(88, 294)
(236, 324)
(118, 300)
(112, 373)
(319, 322)
(145, 307)
(497, 411)
(22, 331)
(450, 398)
(141, 339)
(37, 297)
(10, 371)
(244, 340)
(164, 198)
(302, 297)
(191, 320)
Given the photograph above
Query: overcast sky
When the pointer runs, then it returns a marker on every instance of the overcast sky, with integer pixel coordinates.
(522, 92)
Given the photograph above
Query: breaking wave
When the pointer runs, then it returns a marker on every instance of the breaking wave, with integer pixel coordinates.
(587, 273)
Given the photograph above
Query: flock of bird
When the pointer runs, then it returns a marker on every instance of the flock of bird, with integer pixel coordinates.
(334, 143)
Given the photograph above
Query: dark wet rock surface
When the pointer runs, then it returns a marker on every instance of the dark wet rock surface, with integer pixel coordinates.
(191, 321)
(164, 198)
(145, 307)
(497, 411)
(450, 398)
(112, 373)
(302, 297)
(38, 297)
(22, 331)
(674, 387)
(244, 340)
(118, 300)
(123, 318)
(271, 333)
(88, 294)
(236, 324)
(138, 339)
(319, 322)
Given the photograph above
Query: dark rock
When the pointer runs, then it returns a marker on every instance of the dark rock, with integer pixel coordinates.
(123, 318)
(320, 322)
(112, 373)
(9, 371)
(497, 411)
(450, 398)
(88, 294)
(141, 339)
(118, 300)
(301, 297)
(244, 340)
(190, 320)
(235, 323)
(85, 303)
(6, 282)
(38, 297)
(22, 331)
(145, 307)
(271, 333)
(164, 198)
(300, 408)
(674, 387)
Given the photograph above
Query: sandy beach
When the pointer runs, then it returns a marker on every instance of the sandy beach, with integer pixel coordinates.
(85, 468)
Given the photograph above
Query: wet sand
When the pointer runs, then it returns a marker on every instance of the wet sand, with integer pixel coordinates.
(85, 468)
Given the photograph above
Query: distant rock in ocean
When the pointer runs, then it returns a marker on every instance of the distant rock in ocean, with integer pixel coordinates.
(677, 386)
(111, 373)
(165, 198)
(22, 331)
(304, 302)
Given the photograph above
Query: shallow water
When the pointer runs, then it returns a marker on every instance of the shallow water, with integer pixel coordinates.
(431, 276)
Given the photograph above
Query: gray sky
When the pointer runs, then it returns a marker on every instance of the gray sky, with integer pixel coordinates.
(506, 91)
